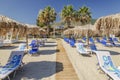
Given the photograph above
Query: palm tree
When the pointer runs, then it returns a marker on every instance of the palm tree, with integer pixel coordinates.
(46, 17)
(84, 15)
(67, 14)
(85, 18)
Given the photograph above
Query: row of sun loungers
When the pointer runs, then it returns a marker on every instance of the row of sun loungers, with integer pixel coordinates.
(113, 42)
(6, 42)
(70, 41)
(81, 49)
(104, 58)
(15, 60)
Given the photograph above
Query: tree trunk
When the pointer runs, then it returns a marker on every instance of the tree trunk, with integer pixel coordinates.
(48, 31)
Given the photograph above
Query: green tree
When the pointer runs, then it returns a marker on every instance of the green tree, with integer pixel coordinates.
(67, 14)
(84, 15)
(80, 17)
(46, 17)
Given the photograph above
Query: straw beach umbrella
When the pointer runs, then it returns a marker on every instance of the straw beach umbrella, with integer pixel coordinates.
(108, 24)
(8, 25)
(80, 30)
(68, 32)
(42, 31)
(86, 30)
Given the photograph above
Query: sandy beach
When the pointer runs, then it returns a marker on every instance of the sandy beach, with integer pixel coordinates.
(42, 66)
(86, 66)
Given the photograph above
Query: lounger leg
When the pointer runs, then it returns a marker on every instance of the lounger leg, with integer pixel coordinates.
(8, 77)
(109, 78)
(14, 74)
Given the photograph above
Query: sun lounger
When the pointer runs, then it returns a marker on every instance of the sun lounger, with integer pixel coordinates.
(66, 40)
(106, 44)
(93, 48)
(81, 49)
(14, 62)
(91, 40)
(72, 43)
(98, 40)
(106, 64)
(7, 42)
(1, 43)
(34, 49)
(115, 40)
(22, 47)
(33, 42)
(84, 38)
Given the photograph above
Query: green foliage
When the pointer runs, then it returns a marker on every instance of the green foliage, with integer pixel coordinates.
(46, 17)
(70, 15)
(67, 14)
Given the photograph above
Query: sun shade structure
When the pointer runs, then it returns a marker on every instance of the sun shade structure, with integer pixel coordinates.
(10, 26)
(81, 30)
(34, 29)
(108, 25)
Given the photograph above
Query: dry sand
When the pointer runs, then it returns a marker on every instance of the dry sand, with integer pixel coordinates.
(85, 66)
(40, 66)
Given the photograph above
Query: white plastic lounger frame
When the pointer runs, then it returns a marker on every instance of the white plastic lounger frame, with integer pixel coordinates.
(106, 64)
(12, 65)
(22, 47)
(81, 49)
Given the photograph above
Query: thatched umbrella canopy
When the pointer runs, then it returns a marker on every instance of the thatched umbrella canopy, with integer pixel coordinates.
(108, 24)
(81, 30)
(22, 30)
(9, 25)
(86, 30)
(42, 31)
(32, 29)
(5, 25)
(68, 32)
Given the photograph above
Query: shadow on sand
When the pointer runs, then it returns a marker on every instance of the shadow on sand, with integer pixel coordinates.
(50, 42)
(50, 45)
(8, 47)
(38, 70)
(47, 52)
(19, 42)
(111, 52)
(44, 52)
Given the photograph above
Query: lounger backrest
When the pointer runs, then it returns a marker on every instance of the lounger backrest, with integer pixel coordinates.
(91, 40)
(107, 65)
(84, 38)
(98, 40)
(103, 42)
(104, 38)
(12, 64)
(22, 47)
(16, 55)
(93, 47)
(115, 39)
(81, 47)
(104, 59)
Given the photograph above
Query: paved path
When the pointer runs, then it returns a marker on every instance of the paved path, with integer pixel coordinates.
(68, 72)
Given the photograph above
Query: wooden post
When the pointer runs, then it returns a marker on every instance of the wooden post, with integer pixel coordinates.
(87, 38)
(27, 40)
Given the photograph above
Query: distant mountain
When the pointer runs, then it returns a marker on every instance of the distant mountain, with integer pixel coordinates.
(93, 21)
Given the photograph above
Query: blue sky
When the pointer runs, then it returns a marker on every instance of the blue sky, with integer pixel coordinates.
(26, 11)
